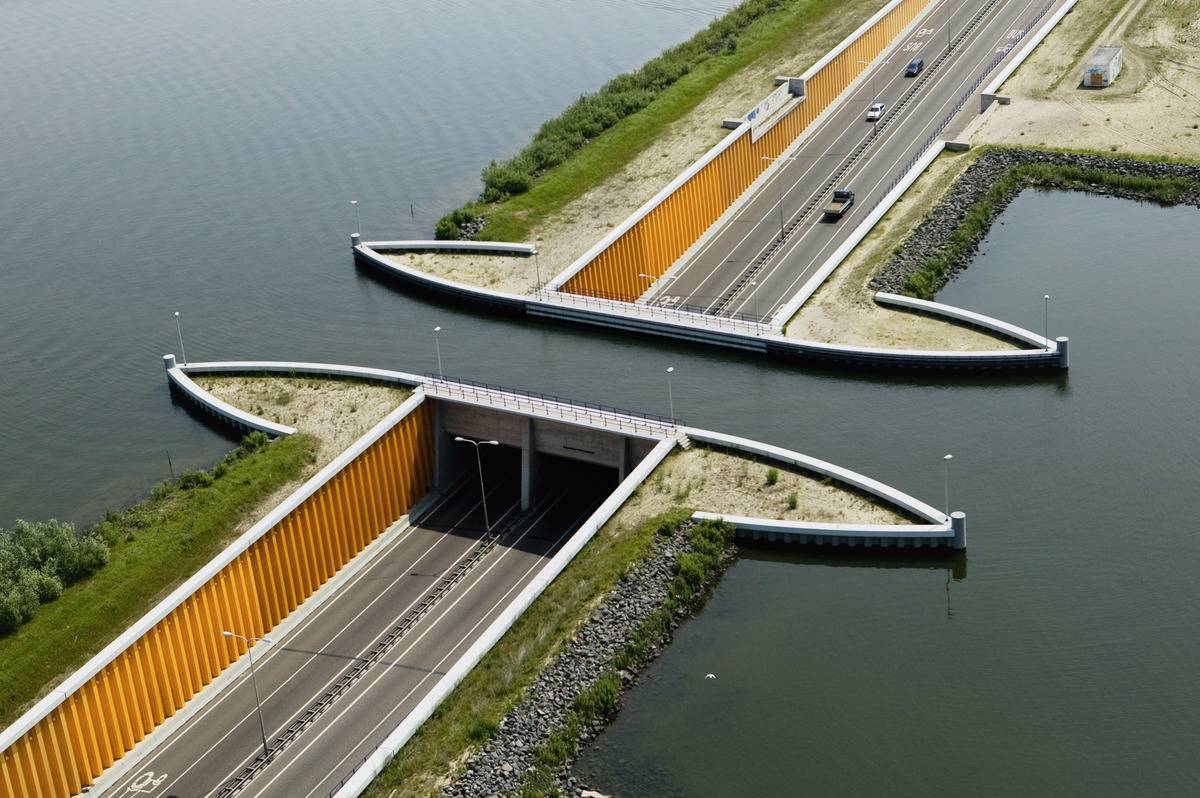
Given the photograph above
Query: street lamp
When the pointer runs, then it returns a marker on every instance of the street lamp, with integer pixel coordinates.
(487, 525)
(537, 268)
(438, 346)
(357, 226)
(946, 481)
(779, 182)
(1045, 323)
(670, 394)
(250, 641)
(179, 329)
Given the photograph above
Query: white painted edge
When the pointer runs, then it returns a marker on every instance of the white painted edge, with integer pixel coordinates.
(409, 725)
(771, 525)
(286, 367)
(785, 313)
(1028, 48)
(967, 316)
(131, 759)
(866, 484)
(238, 416)
(97, 663)
(742, 130)
(497, 247)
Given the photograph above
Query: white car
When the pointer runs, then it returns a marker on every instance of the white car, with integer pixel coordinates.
(875, 112)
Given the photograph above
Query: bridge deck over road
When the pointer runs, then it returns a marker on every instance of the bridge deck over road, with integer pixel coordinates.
(741, 266)
(221, 748)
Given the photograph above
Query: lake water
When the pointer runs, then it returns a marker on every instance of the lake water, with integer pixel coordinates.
(200, 157)
(1061, 659)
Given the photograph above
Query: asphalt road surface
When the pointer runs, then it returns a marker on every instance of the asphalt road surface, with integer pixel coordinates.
(224, 740)
(735, 271)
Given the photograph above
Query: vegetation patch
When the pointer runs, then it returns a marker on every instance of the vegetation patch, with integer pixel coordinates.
(473, 712)
(598, 134)
(148, 549)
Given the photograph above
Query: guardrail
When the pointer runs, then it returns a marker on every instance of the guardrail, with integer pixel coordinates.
(547, 405)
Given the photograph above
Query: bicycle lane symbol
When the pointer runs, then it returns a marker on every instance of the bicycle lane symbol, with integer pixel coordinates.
(145, 784)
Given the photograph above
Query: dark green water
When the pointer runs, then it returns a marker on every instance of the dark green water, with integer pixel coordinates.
(200, 157)
(1064, 662)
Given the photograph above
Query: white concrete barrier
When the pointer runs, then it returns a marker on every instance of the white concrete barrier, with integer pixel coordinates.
(211, 404)
(481, 247)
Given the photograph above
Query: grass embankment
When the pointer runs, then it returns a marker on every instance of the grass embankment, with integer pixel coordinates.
(925, 281)
(472, 713)
(600, 133)
(154, 546)
(598, 701)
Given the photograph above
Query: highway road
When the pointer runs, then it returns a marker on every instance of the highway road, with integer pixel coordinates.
(220, 751)
(745, 266)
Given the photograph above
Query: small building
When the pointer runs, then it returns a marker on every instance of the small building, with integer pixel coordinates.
(1102, 68)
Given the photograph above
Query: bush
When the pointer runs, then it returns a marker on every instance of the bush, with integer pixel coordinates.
(599, 700)
(793, 500)
(252, 443)
(195, 479)
(37, 560)
(772, 476)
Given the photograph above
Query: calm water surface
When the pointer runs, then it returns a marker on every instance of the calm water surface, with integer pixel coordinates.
(1061, 658)
(200, 157)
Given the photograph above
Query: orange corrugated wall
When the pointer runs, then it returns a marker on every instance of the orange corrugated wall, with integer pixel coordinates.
(657, 240)
(155, 676)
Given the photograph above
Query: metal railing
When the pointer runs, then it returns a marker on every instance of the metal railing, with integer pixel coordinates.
(681, 313)
(549, 405)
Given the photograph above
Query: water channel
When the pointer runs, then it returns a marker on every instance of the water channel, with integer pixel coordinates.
(201, 157)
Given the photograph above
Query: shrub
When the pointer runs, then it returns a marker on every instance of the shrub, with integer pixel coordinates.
(37, 560)
(599, 700)
(793, 501)
(252, 443)
(195, 479)
(772, 476)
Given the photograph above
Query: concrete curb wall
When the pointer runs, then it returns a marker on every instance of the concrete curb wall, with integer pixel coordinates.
(785, 313)
(481, 247)
(989, 91)
(180, 594)
(876, 535)
(742, 130)
(968, 317)
(287, 368)
(123, 766)
(897, 498)
(247, 422)
(408, 727)
(770, 345)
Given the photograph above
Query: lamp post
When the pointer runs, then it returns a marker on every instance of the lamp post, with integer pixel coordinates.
(874, 122)
(537, 268)
(1045, 322)
(437, 345)
(250, 641)
(946, 481)
(179, 329)
(357, 226)
(670, 394)
(779, 182)
(487, 525)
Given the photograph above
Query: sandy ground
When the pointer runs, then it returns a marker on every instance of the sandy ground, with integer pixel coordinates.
(707, 479)
(586, 220)
(842, 310)
(514, 275)
(336, 412)
(1153, 107)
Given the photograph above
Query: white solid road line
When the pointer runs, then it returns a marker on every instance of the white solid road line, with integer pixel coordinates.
(886, 174)
(840, 106)
(436, 668)
(780, 258)
(383, 630)
(377, 676)
(154, 755)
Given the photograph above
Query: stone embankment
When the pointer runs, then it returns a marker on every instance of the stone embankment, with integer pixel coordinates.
(501, 765)
(930, 238)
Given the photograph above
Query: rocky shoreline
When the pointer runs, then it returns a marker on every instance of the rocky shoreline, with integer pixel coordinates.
(500, 766)
(930, 238)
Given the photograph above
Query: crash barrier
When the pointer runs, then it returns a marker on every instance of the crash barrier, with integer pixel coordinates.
(658, 233)
(100, 712)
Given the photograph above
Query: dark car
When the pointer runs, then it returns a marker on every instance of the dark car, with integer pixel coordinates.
(914, 68)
